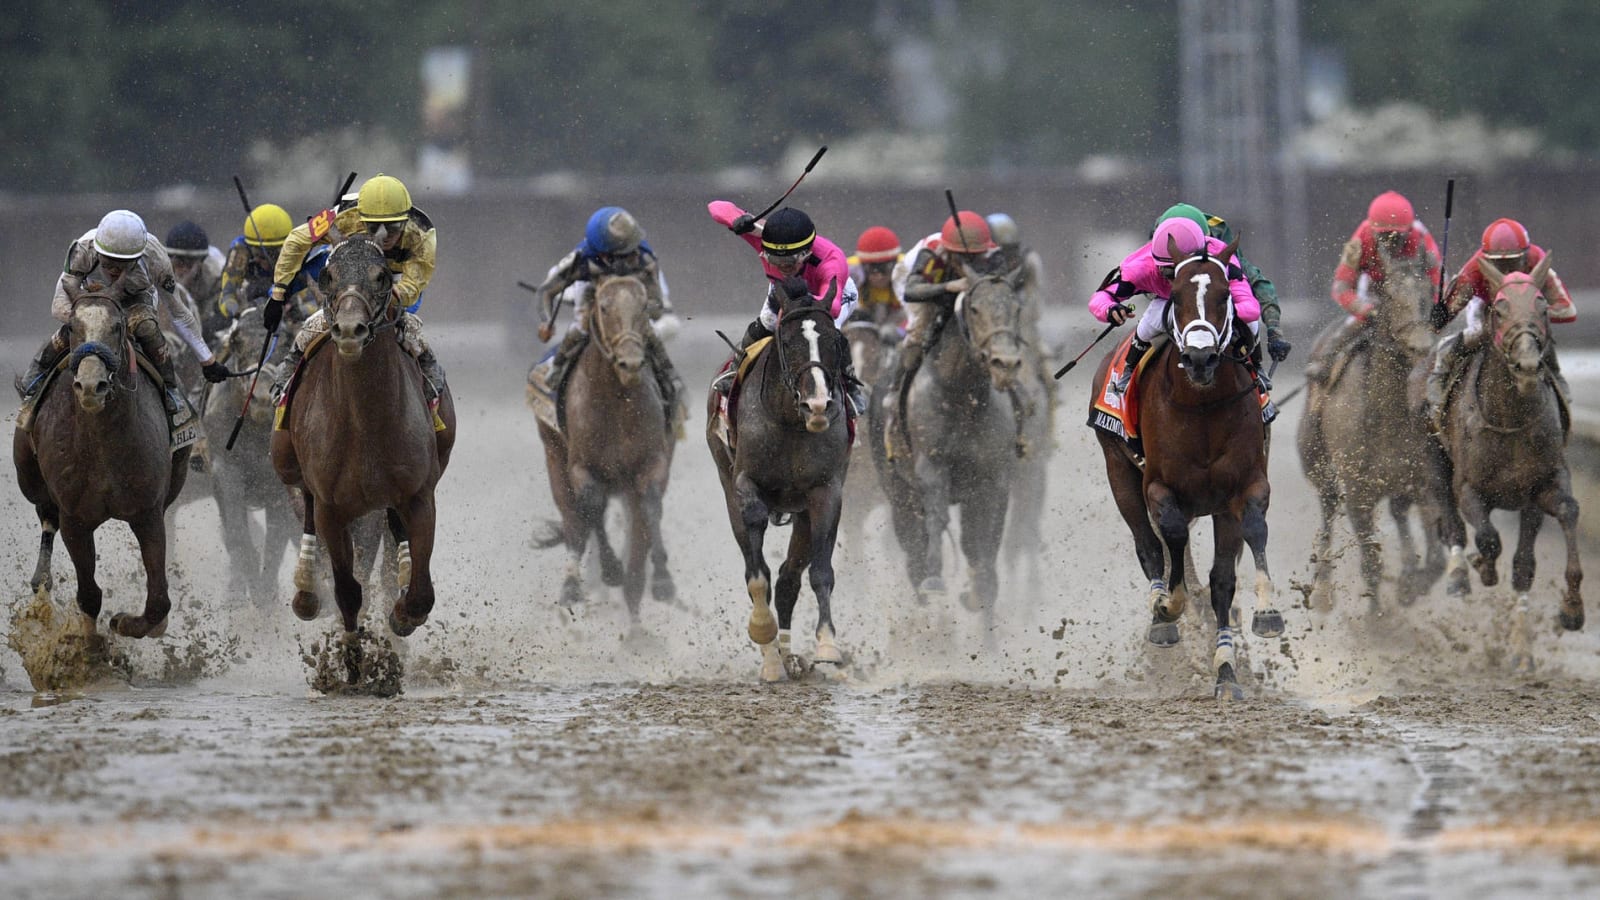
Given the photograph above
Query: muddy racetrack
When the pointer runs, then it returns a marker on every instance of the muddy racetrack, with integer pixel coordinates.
(537, 750)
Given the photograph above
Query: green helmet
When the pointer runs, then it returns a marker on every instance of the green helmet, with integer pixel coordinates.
(1187, 211)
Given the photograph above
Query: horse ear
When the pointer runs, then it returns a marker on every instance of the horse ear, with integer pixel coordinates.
(1540, 271)
(1173, 253)
(832, 294)
(1232, 250)
(1492, 276)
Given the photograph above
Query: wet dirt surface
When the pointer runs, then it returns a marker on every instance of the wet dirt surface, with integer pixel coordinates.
(541, 751)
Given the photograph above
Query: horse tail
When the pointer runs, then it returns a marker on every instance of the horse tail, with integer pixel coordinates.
(553, 535)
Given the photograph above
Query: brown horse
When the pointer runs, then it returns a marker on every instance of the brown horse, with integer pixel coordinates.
(962, 419)
(1360, 441)
(1504, 437)
(360, 438)
(790, 454)
(1205, 455)
(102, 451)
(617, 441)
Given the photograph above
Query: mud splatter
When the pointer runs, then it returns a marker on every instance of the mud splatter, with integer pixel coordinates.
(359, 664)
(56, 653)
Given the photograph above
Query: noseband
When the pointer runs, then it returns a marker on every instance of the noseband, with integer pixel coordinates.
(981, 342)
(108, 355)
(1200, 333)
(377, 314)
(608, 346)
(791, 376)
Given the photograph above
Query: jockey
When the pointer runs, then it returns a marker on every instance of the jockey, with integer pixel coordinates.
(789, 246)
(407, 237)
(1391, 224)
(197, 266)
(1149, 270)
(120, 257)
(872, 269)
(1013, 256)
(253, 260)
(613, 244)
(1266, 292)
(1507, 248)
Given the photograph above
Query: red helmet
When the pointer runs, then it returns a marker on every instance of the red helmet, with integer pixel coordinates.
(971, 236)
(1390, 211)
(1505, 239)
(877, 244)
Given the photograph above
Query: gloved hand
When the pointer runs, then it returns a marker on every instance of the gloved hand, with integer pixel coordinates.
(1363, 310)
(1439, 316)
(1120, 313)
(955, 286)
(1278, 346)
(546, 331)
(215, 372)
(272, 313)
(743, 225)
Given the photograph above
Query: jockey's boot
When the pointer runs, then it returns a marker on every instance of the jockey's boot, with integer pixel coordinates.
(667, 380)
(432, 376)
(1320, 364)
(567, 353)
(153, 344)
(755, 332)
(290, 364)
(896, 440)
(1553, 364)
(1450, 354)
(1130, 363)
(29, 383)
(855, 391)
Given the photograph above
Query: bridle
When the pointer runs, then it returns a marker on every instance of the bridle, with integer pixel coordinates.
(112, 357)
(1010, 326)
(595, 324)
(1200, 332)
(790, 376)
(379, 312)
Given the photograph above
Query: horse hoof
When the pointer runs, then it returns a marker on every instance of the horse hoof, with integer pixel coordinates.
(763, 628)
(1459, 585)
(1163, 634)
(772, 664)
(305, 605)
(1227, 685)
(400, 625)
(1572, 621)
(571, 593)
(794, 665)
(970, 601)
(1267, 623)
(1521, 663)
(137, 627)
(829, 653)
(931, 588)
(662, 590)
(611, 573)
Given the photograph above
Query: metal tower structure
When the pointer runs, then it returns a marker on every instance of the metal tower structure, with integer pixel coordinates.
(1241, 104)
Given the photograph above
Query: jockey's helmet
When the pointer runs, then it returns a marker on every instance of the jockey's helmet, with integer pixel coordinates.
(383, 198)
(877, 245)
(268, 225)
(187, 240)
(966, 232)
(788, 232)
(1390, 211)
(1505, 239)
(120, 235)
(1184, 210)
(1003, 229)
(1185, 234)
(613, 230)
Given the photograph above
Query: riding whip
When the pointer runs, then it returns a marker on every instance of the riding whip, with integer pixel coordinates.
(1068, 367)
(950, 199)
(555, 308)
(809, 166)
(1444, 251)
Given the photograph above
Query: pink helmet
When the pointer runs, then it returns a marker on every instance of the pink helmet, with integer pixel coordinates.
(1505, 239)
(1390, 211)
(1188, 236)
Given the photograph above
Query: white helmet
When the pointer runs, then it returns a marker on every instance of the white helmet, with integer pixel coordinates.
(120, 235)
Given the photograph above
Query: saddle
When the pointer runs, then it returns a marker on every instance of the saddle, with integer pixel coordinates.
(728, 404)
(280, 415)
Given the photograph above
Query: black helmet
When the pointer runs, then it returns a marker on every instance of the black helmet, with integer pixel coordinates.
(788, 231)
(187, 239)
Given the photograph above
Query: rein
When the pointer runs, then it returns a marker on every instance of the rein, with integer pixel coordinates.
(1502, 348)
(791, 378)
(596, 326)
(1222, 337)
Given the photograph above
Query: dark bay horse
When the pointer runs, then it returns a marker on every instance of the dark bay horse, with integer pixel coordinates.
(102, 451)
(790, 454)
(963, 428)
(1205, 455)
(1361, 442)
(1504, 437)
(616, 441)
(242, 480)
(360, 438)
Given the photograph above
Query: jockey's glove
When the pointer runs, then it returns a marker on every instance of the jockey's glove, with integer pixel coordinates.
(743, 225)
(1118, 314)
(1278, 346)
(272, 313)
(215, 372)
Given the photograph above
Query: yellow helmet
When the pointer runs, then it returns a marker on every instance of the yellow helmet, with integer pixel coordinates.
(383, 199)
(273, 223)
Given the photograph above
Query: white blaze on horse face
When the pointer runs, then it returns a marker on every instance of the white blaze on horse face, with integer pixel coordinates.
(808, 329)
(1202, 338)
(97, 323)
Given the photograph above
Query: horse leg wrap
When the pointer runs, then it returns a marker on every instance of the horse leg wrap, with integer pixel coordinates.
(785, 644)
(402, 564)
(304, 577)
(1224, 654)
(1160, 598)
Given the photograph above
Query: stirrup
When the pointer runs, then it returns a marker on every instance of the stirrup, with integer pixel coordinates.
(723, 383)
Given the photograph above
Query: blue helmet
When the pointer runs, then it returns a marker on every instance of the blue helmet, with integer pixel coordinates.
(613, 230)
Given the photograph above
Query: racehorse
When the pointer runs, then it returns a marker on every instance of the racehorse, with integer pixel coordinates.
(1504, 435)
(1205, 455)
(242, 478)
(360, 438)
(790, 453)
(102, 451)
(1360, 441)
(616, 440)
(962, 421)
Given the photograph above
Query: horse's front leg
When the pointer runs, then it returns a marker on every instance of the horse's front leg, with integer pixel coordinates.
(79, 538)
(588, 513)
(342, 559)
(1224, 580)
(662, 587)
(1558, 502)
(795, 563)
(1476, 512)
(411, 608)
(638, 554)
(1519, 636)
(826, 508)
(150, 531)
(49, 524)
(1266, 621)
(1361, 511)
(933, 481)
(752, 514)
(1167, 601)
(306, 604)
